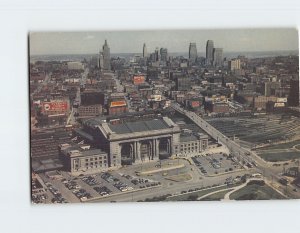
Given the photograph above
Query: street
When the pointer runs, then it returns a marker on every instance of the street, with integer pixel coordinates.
(243, 154)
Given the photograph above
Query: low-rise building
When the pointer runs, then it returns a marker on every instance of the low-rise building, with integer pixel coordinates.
(192, 144)
(78, 160)
(90, 110)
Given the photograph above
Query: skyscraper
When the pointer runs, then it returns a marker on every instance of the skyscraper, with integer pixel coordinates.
(193, 52)
(218, 57)
(106, 56)
(156, 54)
(100, 64)
(209, 52)
(144, 51)
(164, 54)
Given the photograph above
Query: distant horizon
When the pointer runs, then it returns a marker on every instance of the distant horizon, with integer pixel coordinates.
(245, 51)
(227, 54)
(233, 40)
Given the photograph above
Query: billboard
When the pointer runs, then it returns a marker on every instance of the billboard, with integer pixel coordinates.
(138, 79)
(155, 97)
(195, 103)
(118, 103)
(281, 100)
(276, 105)
(55, 106)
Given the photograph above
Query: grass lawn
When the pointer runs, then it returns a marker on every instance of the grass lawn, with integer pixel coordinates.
(256, 192)
(281, 146)
(281, 156)
(217, 196)
(194, 195)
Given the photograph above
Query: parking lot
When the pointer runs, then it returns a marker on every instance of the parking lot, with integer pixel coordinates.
(214, 164)
(82, 188)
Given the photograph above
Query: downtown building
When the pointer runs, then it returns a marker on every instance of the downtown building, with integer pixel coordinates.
(163, 54)
(193, 52)
(209, 52)
(145, 54)
(104, 59)
(218, 57)
(234, 64)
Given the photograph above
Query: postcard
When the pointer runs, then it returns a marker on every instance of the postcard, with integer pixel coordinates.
(173, 115)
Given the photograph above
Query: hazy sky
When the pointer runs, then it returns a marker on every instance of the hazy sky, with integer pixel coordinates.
(233, 40)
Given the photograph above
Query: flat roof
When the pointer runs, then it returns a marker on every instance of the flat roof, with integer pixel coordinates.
(139, 126)
(188, 137)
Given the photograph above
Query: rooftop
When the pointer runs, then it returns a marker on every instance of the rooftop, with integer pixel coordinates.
(188, 137)
(139, 126)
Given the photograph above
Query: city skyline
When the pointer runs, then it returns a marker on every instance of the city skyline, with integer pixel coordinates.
(231, 40)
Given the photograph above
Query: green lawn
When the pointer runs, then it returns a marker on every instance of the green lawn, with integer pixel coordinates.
(217, 196)
(279, 156)
(194, 195)
(256, 192)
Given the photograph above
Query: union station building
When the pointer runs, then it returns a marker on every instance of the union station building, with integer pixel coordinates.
(136, 139)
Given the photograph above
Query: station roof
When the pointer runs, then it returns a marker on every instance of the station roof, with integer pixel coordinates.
(139, 126)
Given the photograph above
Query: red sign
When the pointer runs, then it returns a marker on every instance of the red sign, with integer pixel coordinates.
(118, 103)
(138, 80)
(195, 104)
(55, 106)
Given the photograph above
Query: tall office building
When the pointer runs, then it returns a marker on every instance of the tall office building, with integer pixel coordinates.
(218, 57)
(100, 63)
(234, 64)
(193, 52)
(106, 56)
(156, 54)
(144, 51)
(164, 54)
(209, 52)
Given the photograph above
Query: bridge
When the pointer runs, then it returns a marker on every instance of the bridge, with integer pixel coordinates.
(241, 153)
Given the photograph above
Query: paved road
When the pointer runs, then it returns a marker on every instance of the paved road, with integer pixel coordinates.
(236, 149)
(71, 119)
(41, 85)
(171, 189)
(120, 89)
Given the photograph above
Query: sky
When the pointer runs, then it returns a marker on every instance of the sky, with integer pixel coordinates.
(231, 40)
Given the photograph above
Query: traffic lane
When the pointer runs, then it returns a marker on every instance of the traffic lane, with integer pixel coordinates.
(234, 147)
(175, 188)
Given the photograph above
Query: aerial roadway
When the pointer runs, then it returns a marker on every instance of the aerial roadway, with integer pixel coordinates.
(243, 154)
